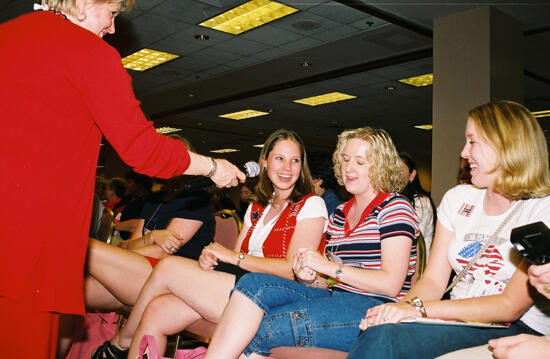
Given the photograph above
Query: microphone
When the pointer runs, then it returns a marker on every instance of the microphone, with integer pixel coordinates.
(250, 169)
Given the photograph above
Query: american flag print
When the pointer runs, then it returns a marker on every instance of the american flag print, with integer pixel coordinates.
(491, 260)
(466, 209)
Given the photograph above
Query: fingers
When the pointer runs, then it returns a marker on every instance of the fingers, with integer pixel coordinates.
(227, 174)
(539, 270)
(507, 341)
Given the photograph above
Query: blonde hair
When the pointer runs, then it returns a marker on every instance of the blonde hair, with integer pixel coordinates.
(385, 173)
(522, 152)
(304, 185)
(69, 6)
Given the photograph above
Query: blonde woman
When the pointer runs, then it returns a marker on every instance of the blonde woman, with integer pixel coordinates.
(370, 255)
(508, 156)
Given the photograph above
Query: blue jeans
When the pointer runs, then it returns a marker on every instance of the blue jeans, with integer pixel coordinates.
(300, 316)
(424, 341)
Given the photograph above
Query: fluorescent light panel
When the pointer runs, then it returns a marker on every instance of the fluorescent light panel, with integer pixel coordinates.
(259, 146)
(419, 81)
(225, 150)
(145, 59)
(424, 127)
(326, 98)
(248, 16)
(541, 114)
(241, 115)
(165, 130)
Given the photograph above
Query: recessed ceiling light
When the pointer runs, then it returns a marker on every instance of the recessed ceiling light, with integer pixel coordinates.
(202, 37)
(389, 88)
(306, 64)
(165, 130)
(241, 115)
(424, 127)
(225, 150)
(247, 16)
(540, 114)
(419, 81)
(323, 99)
(146, 58)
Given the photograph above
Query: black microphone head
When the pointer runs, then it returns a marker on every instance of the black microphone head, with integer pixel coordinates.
(251, 169)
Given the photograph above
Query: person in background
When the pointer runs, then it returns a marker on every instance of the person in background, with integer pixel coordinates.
(100, 185)
(114, 192)
(246, 195)
(420, 200)
(464, 176)
(285, 217)
(138, 190)
(63, 87)
(370, 259)
(324, 180)
(508, 156)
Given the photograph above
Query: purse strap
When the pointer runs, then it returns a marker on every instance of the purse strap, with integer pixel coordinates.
(485, 246)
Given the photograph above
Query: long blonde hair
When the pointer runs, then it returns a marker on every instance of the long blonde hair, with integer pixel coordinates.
(520, 145)
(69, 6)
(386, 173)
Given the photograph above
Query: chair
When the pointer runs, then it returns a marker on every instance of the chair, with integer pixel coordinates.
(421, 258)
(106, 226)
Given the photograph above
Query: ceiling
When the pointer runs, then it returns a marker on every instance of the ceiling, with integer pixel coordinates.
(353, 47)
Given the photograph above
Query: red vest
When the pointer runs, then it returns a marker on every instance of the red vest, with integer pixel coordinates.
(278, 240)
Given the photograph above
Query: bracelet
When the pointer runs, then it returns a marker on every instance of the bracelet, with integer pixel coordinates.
(241, 257)
(145, 239)
(339, 272)
(213, 167)
(418, 306)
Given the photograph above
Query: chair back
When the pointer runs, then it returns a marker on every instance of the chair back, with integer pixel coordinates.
(106, 226)
(228, 226)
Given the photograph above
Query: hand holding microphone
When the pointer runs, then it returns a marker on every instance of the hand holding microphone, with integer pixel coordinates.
(225, 172)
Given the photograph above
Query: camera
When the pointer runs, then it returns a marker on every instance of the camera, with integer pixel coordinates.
(533, 242)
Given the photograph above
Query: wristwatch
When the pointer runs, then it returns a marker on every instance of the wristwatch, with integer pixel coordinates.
(339, 272)
(418, 305)
(241, 257)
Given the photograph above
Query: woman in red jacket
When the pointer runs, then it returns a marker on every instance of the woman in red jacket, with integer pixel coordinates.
(62, 88)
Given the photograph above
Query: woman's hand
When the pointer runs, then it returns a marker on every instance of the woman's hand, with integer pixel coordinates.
(520, 346)
(539, 277)
(304, 274)
(312, 259)
(387, 313)
(221, 253)
(166, 239)
(227, 174)
(207, 260)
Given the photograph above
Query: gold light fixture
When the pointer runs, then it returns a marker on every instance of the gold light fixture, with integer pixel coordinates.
(541, 114)
(259, 146)
(241, 115)
(326, 98)
(419, 81)
(424, 127)
(145, 59)
(225, 150)
(165, 130)
(247, 16)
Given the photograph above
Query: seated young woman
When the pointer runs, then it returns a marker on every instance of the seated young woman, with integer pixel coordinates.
(370, 257)
(508, 155)
(285, 217)
(171, 222)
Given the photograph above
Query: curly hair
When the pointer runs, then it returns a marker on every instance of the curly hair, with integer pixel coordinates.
(520, 145)
(304, 185)
(385, 173)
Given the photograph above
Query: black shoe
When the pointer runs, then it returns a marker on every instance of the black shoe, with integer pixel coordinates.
(109, 351)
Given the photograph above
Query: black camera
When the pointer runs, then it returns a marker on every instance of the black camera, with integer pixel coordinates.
(533, 242)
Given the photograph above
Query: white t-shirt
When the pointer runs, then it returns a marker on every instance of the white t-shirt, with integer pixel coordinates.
(461, 211)
(314, 207)
(423, 209)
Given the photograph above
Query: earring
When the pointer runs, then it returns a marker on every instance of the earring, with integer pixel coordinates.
(81, 17)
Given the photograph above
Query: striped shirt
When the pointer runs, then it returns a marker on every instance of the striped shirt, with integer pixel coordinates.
(361, 248)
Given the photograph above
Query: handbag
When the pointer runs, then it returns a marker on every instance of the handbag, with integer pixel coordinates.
(148, 350)
(91, 332)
